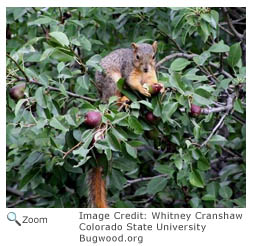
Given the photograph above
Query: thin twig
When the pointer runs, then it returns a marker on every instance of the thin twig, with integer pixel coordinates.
(51, 88)
(130, 182)
(214, 129)
(227, 159)
(73, 148)
(231, 26)
(219, 124)
(14, 191)
(22, 200)
(19, 67)
(226, 30)
(169, 57)
(147, 147)
(222, 71)
(231, 152)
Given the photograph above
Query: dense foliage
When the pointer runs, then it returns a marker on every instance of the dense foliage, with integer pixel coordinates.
(183, 158)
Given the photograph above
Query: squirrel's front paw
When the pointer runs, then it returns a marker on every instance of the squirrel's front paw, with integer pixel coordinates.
(145, 92)
(163, 88)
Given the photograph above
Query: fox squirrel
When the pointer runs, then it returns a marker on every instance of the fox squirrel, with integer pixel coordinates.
(137, 66)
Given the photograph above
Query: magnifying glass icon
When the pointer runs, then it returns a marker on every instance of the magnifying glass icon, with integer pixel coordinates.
(12, 217)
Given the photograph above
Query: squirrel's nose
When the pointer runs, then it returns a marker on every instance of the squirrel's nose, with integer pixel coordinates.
(145, 69)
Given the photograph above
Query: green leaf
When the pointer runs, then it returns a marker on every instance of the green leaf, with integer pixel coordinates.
(163, 169)
(219, 47)
(225, 192)
(156, 185)
(203, 164)
(147, 104)
(209, 18)
(136, 143)
(201, 59)
(120, 164)
(208, 197)
(135, 125)
(87, 138)
(81, 151)
(54, 122)
(235, 54)
(120, 84)
(218, 139)
(60, 67)
(241, 201)
(213, 188)
(119, 117)
(178, 163)
(18, 12)
(113, 142)
(238, 106)
(94, 62)
(86, 44)
(168, 110)
(18, 105)
(205, 31)
(195, 202)
(47, 53)
(117, 179)
(60, 37)
(120, 134)
(28, 177)
(179, 64)
(131, 151)
(196, 179)
(40, 97)
(200, 100)
(42, 21)
(140, 191)
(32, 159)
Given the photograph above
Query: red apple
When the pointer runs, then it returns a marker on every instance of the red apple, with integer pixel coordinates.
(93, 118)
(155, 88)
(150, 117)
(195, 110)
(17, 91)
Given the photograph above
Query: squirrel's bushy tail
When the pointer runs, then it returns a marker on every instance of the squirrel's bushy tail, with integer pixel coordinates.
(97, 189)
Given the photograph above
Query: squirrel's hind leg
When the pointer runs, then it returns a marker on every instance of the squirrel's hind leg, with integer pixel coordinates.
(106, 86)
(122, 99)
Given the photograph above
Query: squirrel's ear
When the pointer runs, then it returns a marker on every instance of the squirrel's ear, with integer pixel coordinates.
(154, 46)
(134, 47)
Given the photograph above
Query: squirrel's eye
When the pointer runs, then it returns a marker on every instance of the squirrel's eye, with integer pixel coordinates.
(153, 56)
(137, 57)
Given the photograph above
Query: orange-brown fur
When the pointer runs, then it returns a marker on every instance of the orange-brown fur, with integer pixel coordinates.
(97, 189)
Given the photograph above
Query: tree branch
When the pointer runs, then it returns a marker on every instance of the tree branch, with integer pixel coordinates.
(130, 182)
(228, 108)
(23, 200)
(19, 67)
(169, 57)
(73, 148)
(51, 88)
(231, 26)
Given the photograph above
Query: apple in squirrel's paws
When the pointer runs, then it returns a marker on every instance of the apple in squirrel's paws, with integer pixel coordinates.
(155, 88)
